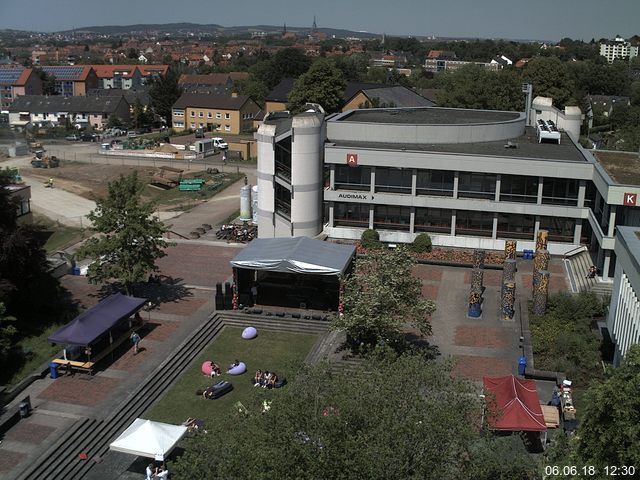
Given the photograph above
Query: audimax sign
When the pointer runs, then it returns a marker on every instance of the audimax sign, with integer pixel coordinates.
(355, 196)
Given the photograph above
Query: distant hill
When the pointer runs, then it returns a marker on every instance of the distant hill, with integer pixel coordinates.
(196, 29)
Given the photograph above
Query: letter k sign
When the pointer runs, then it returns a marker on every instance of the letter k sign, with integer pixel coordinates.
(630, 199)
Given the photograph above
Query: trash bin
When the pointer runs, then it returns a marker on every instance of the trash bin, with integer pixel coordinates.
(53, 370)
(24, 409)
(522, 365)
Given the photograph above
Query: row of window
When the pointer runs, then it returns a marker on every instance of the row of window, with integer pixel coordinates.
(513, 188)
(227, 116)
(439, 220)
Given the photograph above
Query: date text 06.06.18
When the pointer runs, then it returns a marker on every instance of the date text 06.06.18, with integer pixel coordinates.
(590, 471)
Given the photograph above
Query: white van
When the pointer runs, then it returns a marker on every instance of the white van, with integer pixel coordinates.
(219, 142)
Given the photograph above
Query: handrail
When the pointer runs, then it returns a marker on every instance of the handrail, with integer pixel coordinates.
(575, 251)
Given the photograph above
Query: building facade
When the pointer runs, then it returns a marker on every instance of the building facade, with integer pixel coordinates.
(230, 114)
(469, 178)
(623, 322)
(16, 80)
(618, 48)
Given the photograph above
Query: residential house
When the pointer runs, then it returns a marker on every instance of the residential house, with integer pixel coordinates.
(223, 113)
(72, 80)
(16, 80)
(501, 61)
(217, 83)
(152, 71)
(386, 96)
(84, 111)
(277, 99)
(123, 77)
(606, 104)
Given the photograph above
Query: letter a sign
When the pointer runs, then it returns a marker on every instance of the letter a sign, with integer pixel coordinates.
(352, 159)
(630, 199)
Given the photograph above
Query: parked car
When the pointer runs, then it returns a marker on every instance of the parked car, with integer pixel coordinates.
(72, 138)
(219, 142)
(89, 137)
(132, 134)
(199, 133)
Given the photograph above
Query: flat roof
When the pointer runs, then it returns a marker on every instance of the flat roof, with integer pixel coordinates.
(428, 116)
(527, 147)
(623, 168)
(631, 238)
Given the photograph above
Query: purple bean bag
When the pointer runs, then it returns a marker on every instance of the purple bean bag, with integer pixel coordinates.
(238, 369)
(249, 333)
(206, 368)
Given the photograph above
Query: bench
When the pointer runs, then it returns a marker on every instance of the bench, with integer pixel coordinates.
(192, 181)
(190, 188)
(82, 366)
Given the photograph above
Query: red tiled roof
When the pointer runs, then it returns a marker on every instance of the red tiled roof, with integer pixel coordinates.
(147, 70)
(26, 73)
(107, 71)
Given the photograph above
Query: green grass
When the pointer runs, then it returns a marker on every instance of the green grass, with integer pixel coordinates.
(37, 350)
(62, 236)
(275, 351)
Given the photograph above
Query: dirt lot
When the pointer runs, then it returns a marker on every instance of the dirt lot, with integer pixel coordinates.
(91, 181)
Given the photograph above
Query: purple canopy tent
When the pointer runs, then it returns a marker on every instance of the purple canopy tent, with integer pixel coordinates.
(99, 319)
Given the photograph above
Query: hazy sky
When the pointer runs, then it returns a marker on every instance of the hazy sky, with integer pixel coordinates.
(524, 19)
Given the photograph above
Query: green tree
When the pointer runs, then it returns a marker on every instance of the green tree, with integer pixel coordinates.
(370, 239)
(610, 429)
(130, 235)
(253, 88)
(550, 77)
(114, 121)
(382, 297)
(393, 418)
(163, 93)
(48, 82)
(7, 333)
(474, 87)
(322, 84)
(140, 117)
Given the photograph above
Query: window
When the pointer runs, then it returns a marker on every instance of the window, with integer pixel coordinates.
(178, 124)
(200, 114)
(227, 116)
(391, 217)
(283, 201)
(394, 180)
(478, 224)
(192, 114)
(513, 225)
(218, 115)
(560, 191)
(518, 188)
(193, 125)
(435, 182)
(201, 125)
(227, 128)
(433, 220)
(178, 113)
(351, 215)
(560, 229)
(209, 115)
(353, 178)
(477, 185)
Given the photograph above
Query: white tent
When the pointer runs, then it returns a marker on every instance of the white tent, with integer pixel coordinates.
(146, 438)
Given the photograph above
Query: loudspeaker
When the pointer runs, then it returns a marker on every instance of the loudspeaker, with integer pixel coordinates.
(280, 314)
(218, 289)
(295, 315)
(219, 301)
(228, 296)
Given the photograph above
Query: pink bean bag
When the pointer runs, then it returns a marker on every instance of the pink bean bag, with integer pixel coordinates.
(206, 368)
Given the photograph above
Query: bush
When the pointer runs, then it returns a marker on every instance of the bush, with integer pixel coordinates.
(370, 239)
(422, 243)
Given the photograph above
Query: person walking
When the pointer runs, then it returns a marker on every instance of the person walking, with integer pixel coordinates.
(135, 339)
(224, 157)
(149, 472)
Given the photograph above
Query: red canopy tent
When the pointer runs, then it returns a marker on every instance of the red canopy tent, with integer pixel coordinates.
(513, 404)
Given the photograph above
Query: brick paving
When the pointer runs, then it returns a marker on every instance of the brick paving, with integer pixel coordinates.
(490, 278)
(203, 265)
(160, 331)
(80, 389)
(430, 291)
(29, 433)
(557, 283)
(428, 272)
(475, 367)
(9, 459)
(484, 337)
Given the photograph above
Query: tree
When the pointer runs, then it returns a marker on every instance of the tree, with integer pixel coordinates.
(474, 87)
(130, 239)
(551, 78)
(48, 82)
(610, 427)
(163, 93)
(322, 84)
(370, 239)
(422, 243)
(140, 116)
(381, 297)
(393, 418)
(7, 332)
(114, 121)
(253, 88)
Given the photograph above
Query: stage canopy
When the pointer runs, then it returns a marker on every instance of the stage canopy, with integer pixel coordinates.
(295, 255)
(90, 325)
(146, 438)
(513, 404)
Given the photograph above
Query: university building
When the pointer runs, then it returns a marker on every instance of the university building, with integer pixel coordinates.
(469, 178)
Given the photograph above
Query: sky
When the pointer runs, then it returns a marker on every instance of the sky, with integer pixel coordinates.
(510, 19)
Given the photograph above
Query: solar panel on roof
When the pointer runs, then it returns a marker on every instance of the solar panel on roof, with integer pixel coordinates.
(10, 75)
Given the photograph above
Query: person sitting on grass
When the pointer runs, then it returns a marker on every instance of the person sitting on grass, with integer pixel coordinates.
(257, 378)
(271, 383)
(215, 370)
(265, 379)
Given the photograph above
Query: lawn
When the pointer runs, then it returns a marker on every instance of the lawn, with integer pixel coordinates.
(275, 351)
(62, 236)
